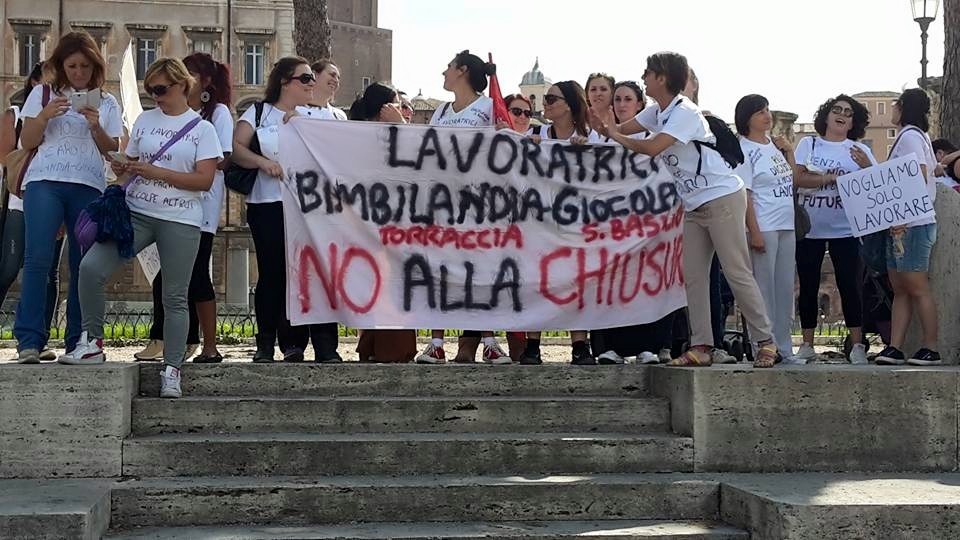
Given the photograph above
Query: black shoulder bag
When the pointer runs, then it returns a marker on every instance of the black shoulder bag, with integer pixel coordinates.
(241, 179)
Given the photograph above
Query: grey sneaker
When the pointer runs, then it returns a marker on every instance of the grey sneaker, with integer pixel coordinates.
(858, 355)
(28, 356)
(720, 356)
(805, 353)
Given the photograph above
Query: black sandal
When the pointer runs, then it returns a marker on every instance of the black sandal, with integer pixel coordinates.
(201, 359)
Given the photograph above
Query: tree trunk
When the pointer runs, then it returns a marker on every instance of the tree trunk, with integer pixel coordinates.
(311, 32)
(950, 96)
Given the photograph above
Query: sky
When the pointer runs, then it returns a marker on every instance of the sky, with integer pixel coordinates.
(797, 54)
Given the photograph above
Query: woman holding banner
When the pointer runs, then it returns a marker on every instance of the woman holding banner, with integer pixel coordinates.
(211, 97)
(290, 88)
(565, 106)
(840, 123)
(714, 202)
(381, 103)
(465, 76)
(599, 90)
(908, 246)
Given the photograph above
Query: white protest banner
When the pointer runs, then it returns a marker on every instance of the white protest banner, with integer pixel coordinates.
(420, 227)
(885, 195)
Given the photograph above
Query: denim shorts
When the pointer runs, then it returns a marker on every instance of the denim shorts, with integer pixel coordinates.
(911, 252)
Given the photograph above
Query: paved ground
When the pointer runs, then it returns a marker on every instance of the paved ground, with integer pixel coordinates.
(554, 350)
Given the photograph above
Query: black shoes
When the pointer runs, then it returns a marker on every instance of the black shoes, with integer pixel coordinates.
(581, 356)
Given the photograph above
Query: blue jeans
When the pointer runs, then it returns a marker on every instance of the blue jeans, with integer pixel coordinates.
(48, 205)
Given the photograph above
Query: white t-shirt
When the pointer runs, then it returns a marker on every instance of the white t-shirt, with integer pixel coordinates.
(14, 202)
(267, 188)
(827, 217)
(159, 199)
(596, 138)
(768, 176)
(68, 152)
(324, 113)
(545, 134)
(683, 121)
(477, 114)
(212, 201)
(913, 140)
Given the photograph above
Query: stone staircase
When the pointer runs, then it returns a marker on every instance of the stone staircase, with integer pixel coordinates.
(404, 451)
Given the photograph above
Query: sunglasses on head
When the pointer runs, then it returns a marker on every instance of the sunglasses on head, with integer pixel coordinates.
(304, 78)
(550, 99)
(158, 90)
(517, 111)
(845, 111)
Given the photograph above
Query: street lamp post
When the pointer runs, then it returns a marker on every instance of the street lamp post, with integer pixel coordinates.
(924, 12)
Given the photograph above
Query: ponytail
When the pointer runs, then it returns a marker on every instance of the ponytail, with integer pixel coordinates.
(219, 87)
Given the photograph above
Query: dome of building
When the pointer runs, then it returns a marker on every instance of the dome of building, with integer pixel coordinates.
(534, 76)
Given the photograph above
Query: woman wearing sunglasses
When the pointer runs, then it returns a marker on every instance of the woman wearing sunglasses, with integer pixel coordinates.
(565, 106)
(520, 110)
(211, 97)
(290, 88)
(64, 177)
(171, 159)
(714, 204)
(465, 76)
(840, 122)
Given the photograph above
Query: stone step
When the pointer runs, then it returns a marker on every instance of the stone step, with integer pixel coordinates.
(260, 454)
(353, 379)
(154, 416)
(303, 501)
(557, 530)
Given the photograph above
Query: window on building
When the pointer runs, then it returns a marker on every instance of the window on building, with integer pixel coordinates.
(364, 83)
(881, 108)
(29, 52)
(203, 46)
(253, 63)
(146, 55)
(891, 133)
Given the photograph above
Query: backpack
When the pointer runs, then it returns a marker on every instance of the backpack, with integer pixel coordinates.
(727, 145)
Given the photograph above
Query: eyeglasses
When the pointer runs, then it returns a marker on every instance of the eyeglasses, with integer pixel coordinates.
(517, 111)
(550, 99)
(845, 111)
(158, 90)
(304, 78)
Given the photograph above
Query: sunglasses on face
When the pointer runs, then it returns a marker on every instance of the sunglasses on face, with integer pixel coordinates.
(158, 90)
(517, 111)
(844, 111)
(550, 99)
(304, 78)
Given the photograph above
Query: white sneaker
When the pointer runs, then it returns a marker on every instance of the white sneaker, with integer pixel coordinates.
(805, 353)
(647, 357)
(88, 352)
(170, 382)
(493, 354)
(432, 355)
(858, 355)
(720, 356)
(794, 360)
(665, 355)
(610, 358)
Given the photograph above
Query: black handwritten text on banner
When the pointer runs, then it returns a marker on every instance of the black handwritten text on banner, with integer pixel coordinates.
(885, 195)
(421, 227)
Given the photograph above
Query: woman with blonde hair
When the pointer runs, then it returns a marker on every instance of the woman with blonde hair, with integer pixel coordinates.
(170, 162)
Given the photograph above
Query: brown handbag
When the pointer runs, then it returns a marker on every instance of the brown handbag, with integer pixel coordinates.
(18, 161)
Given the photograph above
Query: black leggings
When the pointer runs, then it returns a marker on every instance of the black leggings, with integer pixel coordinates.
(201, 290)
(266, 228)
(845, 254)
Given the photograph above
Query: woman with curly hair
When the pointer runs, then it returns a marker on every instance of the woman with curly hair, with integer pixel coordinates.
(840, 123)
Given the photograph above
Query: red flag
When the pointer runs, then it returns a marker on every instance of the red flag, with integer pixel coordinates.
(500, 113)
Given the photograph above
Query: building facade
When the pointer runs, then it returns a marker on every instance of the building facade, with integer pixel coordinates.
(881, 132)
(250, 35)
